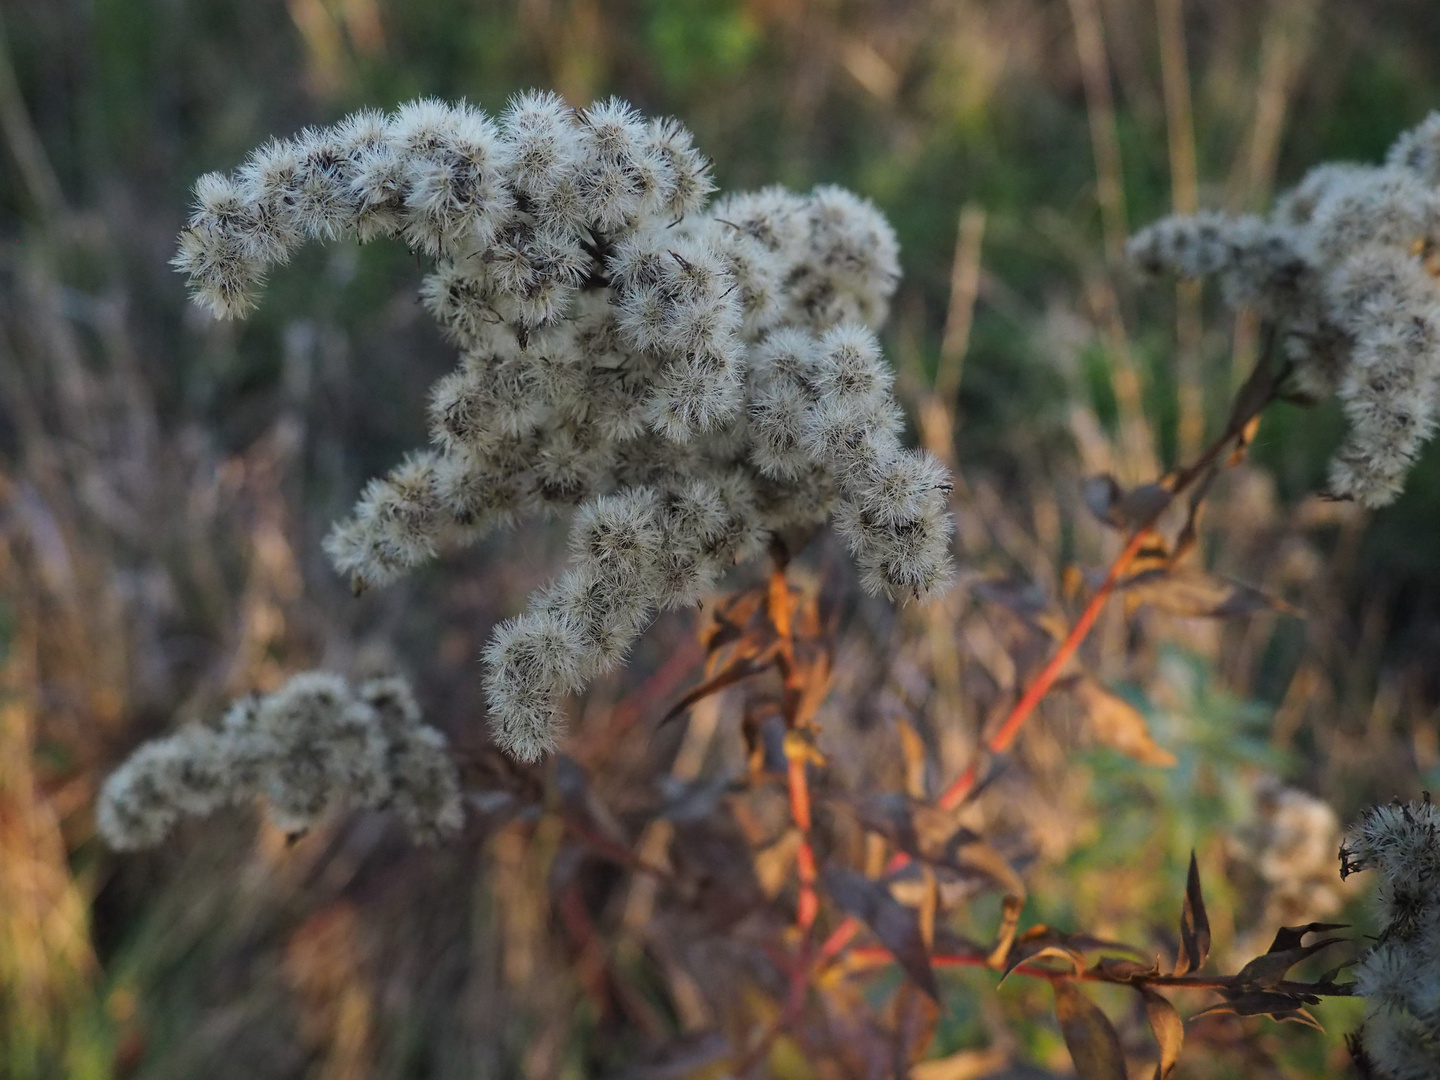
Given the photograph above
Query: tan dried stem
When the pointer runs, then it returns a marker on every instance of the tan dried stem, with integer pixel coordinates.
(1185, 198)
(1104, 135)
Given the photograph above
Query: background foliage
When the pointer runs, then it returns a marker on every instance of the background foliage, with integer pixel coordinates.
(164, 482)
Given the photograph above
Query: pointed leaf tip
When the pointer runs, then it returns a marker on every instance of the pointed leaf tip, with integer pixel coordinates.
(1194, 924)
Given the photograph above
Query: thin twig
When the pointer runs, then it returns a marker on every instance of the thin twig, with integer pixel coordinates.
(617, 853)
(960, 315)
(1104, 135)
(25, 146)
(1185, 199)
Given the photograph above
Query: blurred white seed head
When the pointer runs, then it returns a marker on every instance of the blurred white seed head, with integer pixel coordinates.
(313, 745)
(1344, 267)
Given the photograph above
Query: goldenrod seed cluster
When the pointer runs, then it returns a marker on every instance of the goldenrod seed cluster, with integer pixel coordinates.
(312, 745)
(691, 380)
(1344, 267)
(1400, 976)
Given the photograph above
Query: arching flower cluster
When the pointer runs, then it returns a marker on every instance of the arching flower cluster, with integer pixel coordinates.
(691, 380)
(1344, 266)
(1400, 976)
(314, 744)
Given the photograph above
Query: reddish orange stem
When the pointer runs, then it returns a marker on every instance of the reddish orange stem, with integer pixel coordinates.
(1005, 734)
(799, 794)
(1009, 729)
(805, 867)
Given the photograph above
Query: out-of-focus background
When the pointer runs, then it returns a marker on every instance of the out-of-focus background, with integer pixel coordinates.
(165, 480)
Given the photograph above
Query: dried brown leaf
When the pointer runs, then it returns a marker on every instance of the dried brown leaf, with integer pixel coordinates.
(1019, 955)
(1121, 509)
(1169, 1030)
(1269, 970)
(962, 1065)
(931, 835)
(1243, 440)
(912, 750)
(732, 619)
(1258, 390)
(1005, 934)
(967, 854)
(1303, 1017)
(1194, 924)
(896, 925)
(1044, 940)
(731, 674)
(809, 681)
(1194, 593)
(1265, 1003)
(1115, 723)
(1091, 1039)
(1189, 535)
(1288, 937)
(1119, 969)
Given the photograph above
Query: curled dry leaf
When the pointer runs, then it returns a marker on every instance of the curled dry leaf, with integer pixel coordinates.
(1042, 941)
(1089, 1036)
(1193, 593)
(735, 671)
(1168, 1028)
(1005, 934)
(1046, 952)
(1125, 510)
(1121, 970)
(733, 619)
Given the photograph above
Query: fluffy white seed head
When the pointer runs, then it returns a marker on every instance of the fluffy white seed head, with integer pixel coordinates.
(545, 144)
(1399, 977)
(688, 382)
(687, 182)
(850, 264)
(1418, 151)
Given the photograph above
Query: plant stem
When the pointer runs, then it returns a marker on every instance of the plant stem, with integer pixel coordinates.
(1009, 729)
